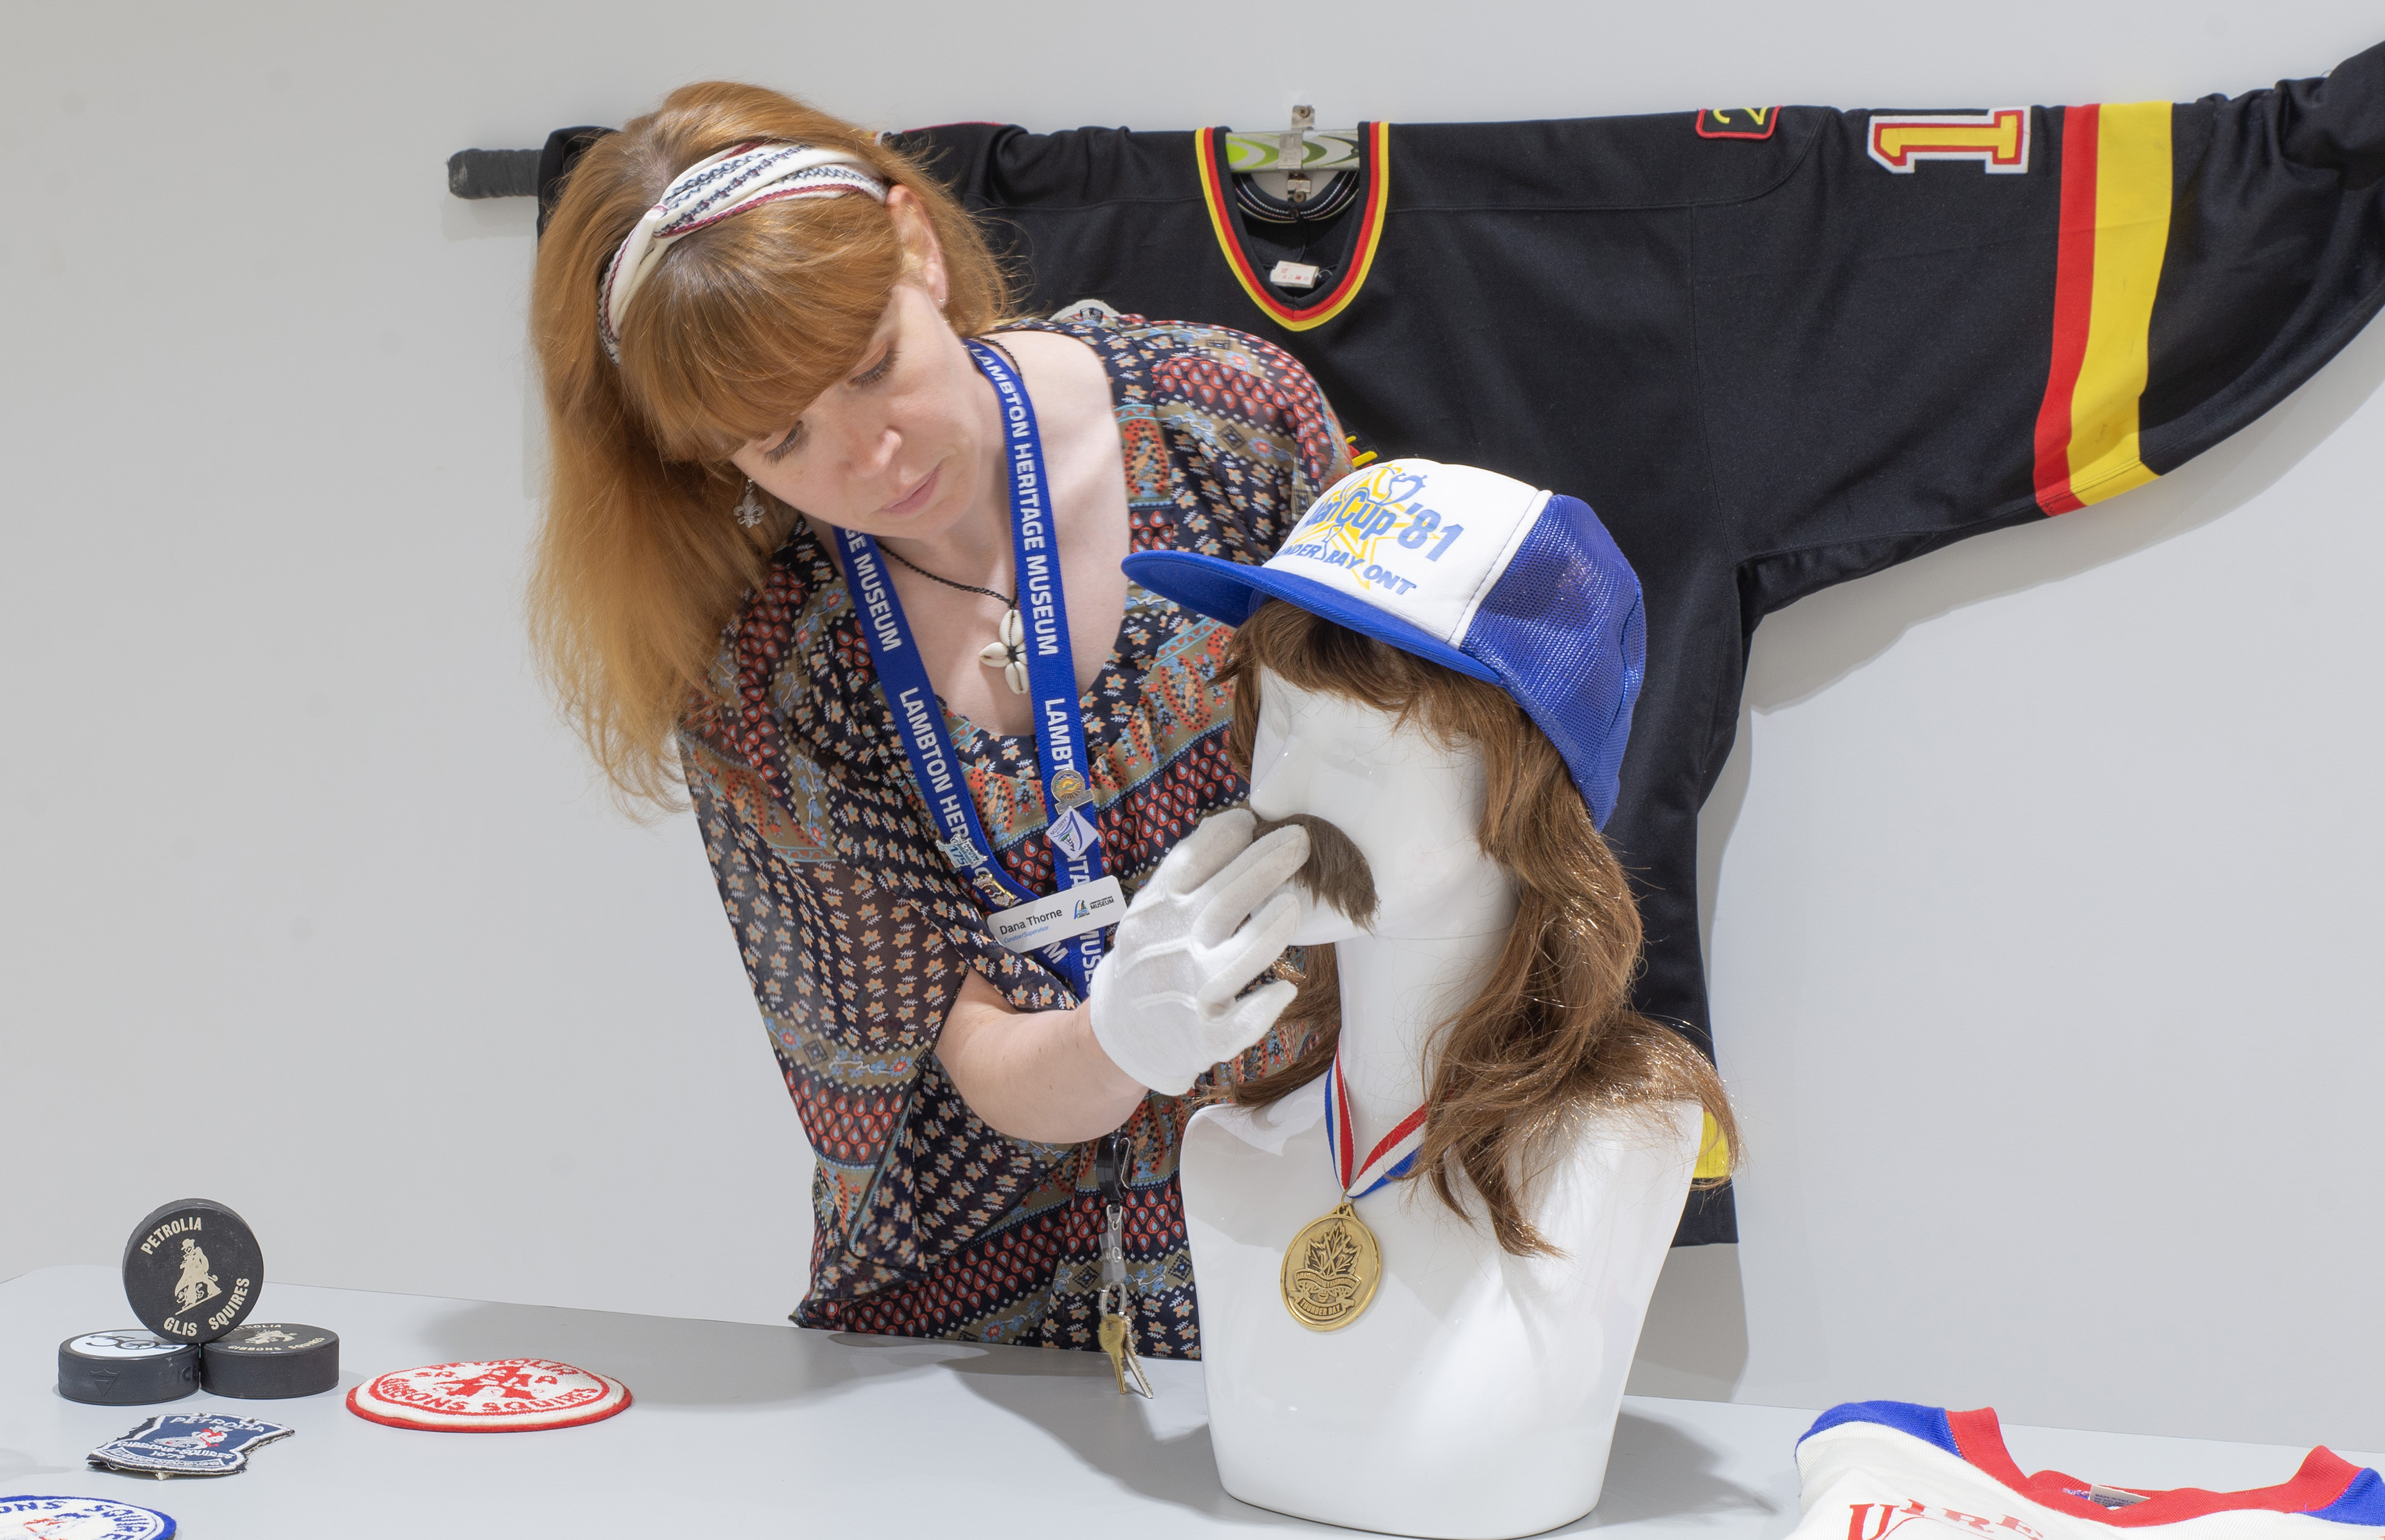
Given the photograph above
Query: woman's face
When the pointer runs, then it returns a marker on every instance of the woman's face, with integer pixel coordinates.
(903, 445)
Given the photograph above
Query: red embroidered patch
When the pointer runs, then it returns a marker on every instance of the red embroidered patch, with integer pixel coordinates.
(489, 1396)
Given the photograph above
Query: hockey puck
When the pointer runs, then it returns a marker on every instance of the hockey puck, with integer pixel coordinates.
(126, 1368)
(269, 1360)
(81, 1517)
(499, 1396)
(192, 1271)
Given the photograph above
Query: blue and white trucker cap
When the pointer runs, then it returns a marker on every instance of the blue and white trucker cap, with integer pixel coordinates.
(1475, 570)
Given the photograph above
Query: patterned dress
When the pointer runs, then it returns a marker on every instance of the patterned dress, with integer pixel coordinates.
(857, 933)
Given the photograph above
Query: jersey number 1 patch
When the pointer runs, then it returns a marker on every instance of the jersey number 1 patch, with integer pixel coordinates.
(1998, 140)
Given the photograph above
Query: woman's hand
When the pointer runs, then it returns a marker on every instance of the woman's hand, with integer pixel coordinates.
(1167, 1003)
(1032, 1075)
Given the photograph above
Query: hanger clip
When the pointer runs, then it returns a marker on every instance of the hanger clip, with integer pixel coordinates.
(1301, 151)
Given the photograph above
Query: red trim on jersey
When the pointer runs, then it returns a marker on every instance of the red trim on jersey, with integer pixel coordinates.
(1979, 1439)
(1216, 190)
(2324, 1477)
(2074, 301)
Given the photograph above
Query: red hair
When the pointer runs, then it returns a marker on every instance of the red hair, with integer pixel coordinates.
(640, 563)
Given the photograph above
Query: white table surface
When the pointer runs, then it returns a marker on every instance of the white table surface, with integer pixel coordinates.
(772, 1431)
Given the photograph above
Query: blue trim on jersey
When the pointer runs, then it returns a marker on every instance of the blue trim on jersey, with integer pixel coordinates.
(1927, 1423)
(2363, 1502)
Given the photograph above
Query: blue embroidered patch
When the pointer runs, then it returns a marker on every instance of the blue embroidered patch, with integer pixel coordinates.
(84, 1517)
(187, 1444)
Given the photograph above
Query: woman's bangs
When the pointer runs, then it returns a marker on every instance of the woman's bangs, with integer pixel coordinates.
(749, 321)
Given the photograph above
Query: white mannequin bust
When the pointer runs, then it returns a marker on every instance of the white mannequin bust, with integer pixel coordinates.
(1477, 1392)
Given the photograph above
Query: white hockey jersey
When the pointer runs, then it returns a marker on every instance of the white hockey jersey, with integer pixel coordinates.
(1870, 1469)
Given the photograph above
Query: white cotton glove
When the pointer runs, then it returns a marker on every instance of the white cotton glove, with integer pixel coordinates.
(1167, 1001)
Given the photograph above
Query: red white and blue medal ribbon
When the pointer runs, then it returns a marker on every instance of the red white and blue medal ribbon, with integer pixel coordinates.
(1393, 1157)
(1332, 1266)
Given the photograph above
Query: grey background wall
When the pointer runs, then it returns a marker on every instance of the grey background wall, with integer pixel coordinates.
(2040, 883)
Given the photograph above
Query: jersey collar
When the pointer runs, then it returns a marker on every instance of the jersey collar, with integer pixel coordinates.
(1217, 194)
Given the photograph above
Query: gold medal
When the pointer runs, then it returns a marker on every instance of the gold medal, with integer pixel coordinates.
(1331, 1271)
(1332, 1268)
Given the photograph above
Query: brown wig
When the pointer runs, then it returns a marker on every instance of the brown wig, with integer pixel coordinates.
(1552, 1036)
(640, 564)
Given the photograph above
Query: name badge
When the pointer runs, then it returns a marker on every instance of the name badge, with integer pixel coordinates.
(1031, 926)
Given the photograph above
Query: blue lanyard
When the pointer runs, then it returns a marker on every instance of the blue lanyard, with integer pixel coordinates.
(1050, 682)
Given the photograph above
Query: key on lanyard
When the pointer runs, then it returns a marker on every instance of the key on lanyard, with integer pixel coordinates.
(1118, 1327)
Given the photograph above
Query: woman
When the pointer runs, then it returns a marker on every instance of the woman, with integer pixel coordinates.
(763, 346)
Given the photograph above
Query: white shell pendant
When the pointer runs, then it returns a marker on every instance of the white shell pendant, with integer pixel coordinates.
(1009, 654)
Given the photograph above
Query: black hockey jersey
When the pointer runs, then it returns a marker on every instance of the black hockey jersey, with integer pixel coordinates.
(1774, 348)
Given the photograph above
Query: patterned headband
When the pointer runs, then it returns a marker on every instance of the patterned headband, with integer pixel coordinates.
(743, 176)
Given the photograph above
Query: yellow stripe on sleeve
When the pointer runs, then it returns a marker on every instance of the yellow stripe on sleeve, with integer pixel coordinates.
(2133, 197)
(1714, 1152)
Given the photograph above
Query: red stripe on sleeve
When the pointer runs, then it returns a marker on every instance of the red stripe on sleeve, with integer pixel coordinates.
(2074, 296)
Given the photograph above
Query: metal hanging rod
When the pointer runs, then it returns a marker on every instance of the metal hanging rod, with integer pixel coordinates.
(493, 174)
(1300, 151)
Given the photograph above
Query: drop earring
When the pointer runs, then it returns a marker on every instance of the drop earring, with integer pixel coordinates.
(750, 511)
